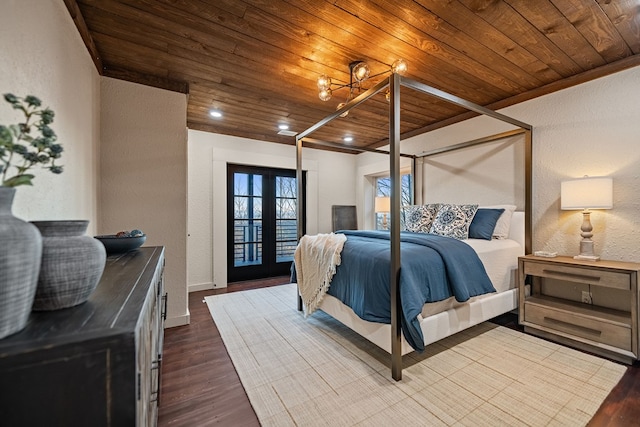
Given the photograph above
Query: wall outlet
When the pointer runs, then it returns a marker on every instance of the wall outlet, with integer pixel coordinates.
(586, 297)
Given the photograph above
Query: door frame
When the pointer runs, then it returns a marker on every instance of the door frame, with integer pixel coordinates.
(273, 268)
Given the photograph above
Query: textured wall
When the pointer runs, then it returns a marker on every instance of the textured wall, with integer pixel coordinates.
(590, 129)
(144, 176)
(42, 54)
(330, 181)
(487, 174)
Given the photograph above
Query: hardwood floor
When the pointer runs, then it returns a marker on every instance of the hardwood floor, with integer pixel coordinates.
(200, 386)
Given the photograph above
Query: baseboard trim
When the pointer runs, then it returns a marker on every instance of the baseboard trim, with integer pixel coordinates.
(183, 320)
(201, 287)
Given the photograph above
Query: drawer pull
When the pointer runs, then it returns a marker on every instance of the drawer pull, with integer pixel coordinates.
(582, 329)
(164, 308)
(156, 365)
(575, 276)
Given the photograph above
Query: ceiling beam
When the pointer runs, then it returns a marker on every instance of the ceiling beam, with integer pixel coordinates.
(81, 25)
(146, 79)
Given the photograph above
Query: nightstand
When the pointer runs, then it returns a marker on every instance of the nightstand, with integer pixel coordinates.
(589, 305)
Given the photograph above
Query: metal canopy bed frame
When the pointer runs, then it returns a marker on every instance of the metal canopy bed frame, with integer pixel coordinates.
(394, 83)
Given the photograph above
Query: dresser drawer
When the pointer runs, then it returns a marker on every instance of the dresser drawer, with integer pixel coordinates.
(613, 334)
(611, 279)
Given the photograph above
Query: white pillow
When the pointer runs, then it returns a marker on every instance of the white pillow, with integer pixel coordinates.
(504, 222)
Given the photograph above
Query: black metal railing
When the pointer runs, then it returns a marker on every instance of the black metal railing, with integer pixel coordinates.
(248, 242)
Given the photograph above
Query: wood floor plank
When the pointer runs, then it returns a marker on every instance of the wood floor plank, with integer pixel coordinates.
(200, 386)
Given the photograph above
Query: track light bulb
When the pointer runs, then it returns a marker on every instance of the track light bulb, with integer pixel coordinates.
(324, 94)
(399, 67)
(342, 104)
(361, 72)
(324, 82)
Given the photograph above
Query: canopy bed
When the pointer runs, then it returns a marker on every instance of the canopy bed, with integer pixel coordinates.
(499, 256)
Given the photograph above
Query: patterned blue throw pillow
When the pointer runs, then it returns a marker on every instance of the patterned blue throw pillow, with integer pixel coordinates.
(453, 220)
(418, 218)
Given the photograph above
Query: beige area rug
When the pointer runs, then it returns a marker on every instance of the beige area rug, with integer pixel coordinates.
(317, 372)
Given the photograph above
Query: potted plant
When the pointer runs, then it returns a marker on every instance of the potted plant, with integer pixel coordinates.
(20, 150)
(23, 146)
(71, 263)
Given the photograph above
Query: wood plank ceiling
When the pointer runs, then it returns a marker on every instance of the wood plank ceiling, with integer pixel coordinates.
(257, 61)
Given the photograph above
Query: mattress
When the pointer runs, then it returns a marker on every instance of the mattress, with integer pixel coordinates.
(500, 260)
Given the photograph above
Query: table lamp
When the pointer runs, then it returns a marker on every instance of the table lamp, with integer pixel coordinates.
(587, 193)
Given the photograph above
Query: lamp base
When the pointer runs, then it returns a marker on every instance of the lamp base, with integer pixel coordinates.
(586, 244)
(587, 257)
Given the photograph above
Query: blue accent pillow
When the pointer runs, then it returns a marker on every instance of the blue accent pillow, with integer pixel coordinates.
(483, 223)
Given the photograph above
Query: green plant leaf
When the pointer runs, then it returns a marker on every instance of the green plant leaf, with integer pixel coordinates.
(15, 140)
(18, 180)
(5, 135)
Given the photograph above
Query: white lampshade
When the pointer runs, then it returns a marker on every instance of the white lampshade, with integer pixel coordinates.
(587, 193)
(382, 204)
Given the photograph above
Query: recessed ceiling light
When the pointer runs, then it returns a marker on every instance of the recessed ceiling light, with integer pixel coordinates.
(347, 139)
(283, 126)
(215, 113)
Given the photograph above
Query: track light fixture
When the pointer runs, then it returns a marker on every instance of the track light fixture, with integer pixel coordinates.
(359, 71)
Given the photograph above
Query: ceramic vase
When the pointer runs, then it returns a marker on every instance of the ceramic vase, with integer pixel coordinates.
(72, 264)
(20, 255)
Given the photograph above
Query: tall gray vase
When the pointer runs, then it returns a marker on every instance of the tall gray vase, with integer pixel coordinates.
(72, 264)
(20, 254)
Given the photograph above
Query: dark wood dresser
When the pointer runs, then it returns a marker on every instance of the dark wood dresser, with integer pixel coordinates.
(96, 364)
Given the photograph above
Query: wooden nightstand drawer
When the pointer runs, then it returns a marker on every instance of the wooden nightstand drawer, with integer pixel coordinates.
(590, 305)
(615, 331)
(600, 277)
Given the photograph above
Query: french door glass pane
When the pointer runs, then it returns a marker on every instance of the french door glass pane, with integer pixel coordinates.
(245, 231)
(285, 250)
(247, 207)
(247, 184)
(286, 221)
(285, 187)
(247, 219)
(286, 208)
(247, 254)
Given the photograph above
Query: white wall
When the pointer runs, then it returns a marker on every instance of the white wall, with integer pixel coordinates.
(369, 166)
(590, 129)
(330, 181)
(144, 176)
(42, 54)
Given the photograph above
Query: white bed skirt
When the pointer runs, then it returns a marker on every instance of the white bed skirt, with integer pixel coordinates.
(435, 327)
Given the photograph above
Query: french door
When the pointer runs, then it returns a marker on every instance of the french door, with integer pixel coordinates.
(262, 221)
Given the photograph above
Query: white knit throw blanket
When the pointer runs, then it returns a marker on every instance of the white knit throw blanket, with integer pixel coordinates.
(316, 259)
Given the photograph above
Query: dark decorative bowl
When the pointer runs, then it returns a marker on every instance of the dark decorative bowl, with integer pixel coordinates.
(118, 245)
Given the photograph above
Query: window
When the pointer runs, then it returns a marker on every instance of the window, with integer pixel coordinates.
(383, 189)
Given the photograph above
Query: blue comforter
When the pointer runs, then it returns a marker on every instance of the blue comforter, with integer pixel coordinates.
(432, 268)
